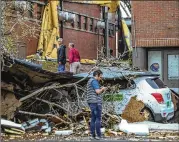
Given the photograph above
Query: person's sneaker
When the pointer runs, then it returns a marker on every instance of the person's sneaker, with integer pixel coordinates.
(98, 138)
(92, 138)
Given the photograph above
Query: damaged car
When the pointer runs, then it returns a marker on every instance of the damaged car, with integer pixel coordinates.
(147, 87)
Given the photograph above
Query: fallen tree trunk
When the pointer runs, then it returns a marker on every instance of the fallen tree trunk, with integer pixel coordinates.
(44, 115)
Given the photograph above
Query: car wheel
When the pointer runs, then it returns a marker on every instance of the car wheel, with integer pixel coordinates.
(147, 114)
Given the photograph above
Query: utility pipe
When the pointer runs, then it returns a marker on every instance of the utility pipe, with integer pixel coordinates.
(117, 44)
(106, 35)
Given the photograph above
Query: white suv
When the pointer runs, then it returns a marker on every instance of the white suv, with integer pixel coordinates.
(155, 95)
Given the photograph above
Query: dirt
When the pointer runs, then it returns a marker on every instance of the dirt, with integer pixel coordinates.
(132, 112)
(160, 136)
(8, 104)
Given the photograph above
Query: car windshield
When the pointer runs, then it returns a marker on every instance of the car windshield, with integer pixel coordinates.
(155, 83)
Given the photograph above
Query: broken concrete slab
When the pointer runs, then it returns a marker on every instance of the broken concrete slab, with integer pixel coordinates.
(137, 129)
(64, 132)
(160, 126)
(10, 124)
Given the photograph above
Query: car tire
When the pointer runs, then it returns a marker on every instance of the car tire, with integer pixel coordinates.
(147, 114)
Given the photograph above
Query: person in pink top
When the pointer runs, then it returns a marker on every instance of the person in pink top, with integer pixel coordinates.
(74, 59)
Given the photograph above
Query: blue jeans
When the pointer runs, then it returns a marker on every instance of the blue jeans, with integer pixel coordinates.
(61, 68)
(95, 124)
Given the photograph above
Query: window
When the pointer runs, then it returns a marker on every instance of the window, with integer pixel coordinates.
(39, 11)
(91, 24)
(85, 23)
(95, 26)
(111, 30)
(155, 62)
(96, 29)
(155, 83)
(72, 24)
(79, 21)
(173, 67)
(31, 10)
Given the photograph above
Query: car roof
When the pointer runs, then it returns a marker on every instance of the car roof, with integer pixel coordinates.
(115, 73)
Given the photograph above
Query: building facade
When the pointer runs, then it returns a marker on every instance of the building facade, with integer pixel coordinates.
(155, 31)
(83, 32)
(22, 25)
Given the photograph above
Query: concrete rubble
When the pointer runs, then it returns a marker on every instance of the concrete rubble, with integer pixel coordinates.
(153, 126)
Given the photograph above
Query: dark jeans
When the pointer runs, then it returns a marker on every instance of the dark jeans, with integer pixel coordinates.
(61, 68)
(96, 110)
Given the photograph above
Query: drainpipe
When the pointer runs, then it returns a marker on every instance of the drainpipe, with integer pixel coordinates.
(106, 35)
(61, 22)
(117, 31)
(117, 44)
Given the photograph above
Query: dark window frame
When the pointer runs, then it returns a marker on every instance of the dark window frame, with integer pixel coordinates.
(73, 24)
(31, 10)
(79, 22)
(111, 29)
(155, 83)
(85, 23)
(91, 25)
(39, 11)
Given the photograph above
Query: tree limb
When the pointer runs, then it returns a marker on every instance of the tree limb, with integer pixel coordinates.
(50, 103)
(44, 115)
(54, 86)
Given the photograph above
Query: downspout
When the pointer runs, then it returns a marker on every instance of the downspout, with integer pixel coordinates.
(117, 31)
(117, 43)
(61, 22)
(120, 35)
(106, 35)
(134, 36)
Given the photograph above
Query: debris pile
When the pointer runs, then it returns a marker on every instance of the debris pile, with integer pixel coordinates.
(55, 103)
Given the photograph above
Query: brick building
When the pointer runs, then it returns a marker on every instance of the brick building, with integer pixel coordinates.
(83, 32)
(26, 31)
(156, 38)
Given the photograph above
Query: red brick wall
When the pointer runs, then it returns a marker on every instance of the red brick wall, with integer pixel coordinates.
(156, 23)
(31, 40)
(32, 44)
(85, 42)
(88, 9)
(24, 36)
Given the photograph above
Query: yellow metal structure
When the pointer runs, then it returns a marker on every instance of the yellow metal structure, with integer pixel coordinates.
(127, 35)
(50, 26)
(49, 31)
(112, 4)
